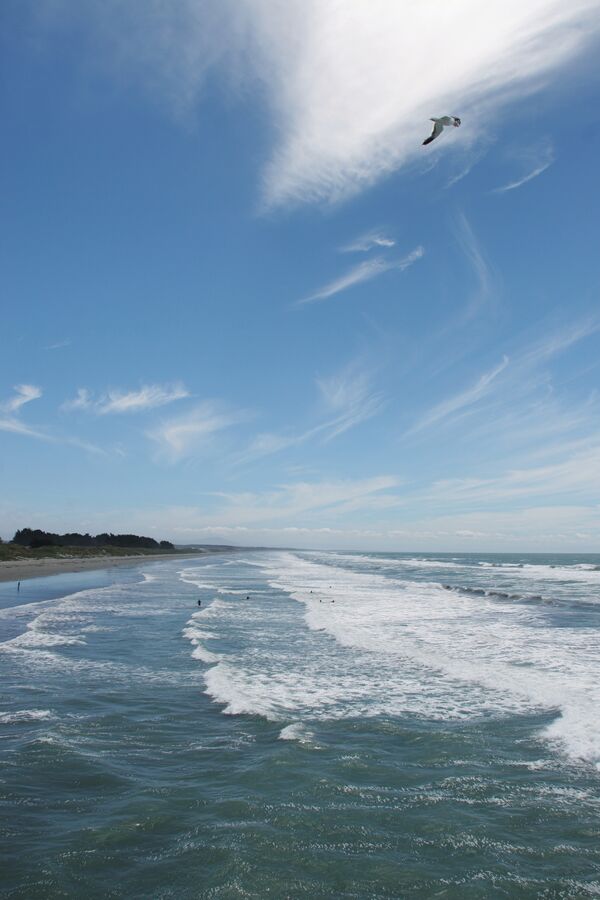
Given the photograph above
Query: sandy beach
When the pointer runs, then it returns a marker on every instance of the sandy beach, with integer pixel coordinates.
(20, 570)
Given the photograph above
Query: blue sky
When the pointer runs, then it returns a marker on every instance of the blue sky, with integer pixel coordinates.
(243, 304)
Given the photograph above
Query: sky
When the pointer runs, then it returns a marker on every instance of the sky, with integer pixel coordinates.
(242, 303)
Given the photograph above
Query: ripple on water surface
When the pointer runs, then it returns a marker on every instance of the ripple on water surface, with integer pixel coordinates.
(405, 740)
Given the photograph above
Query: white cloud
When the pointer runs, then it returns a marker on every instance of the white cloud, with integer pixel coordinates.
(517, 437)
(577, 474)
(539, 159)
(24, 393)
(482, 270)
(268, 443)
(367, 241)
(462, 400)
(350, 86)
(181, 436)
(471, 158)
(289, 501)
(545, 528)
(347, 399)
(59, 345)
(87, 446)
(364, 271)
(348, 394)
(301, 510)
(560, 340)
(515, 404)
(17, 427)
(353, 98)
(149, 396)
(82, 400)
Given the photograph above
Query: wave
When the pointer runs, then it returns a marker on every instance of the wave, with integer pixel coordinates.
(31, 640)
(204, 655)
(463, 650)
(204, 585)
(196, 635)
(297, 731)
(577, 572)
(580, 572)
(498, 595)
(25, 715)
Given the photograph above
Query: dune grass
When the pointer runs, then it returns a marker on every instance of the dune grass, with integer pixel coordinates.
(10, 551)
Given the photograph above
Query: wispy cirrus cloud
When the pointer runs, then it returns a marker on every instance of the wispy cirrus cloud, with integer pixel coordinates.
(289, 501)
(365, 271)
(118, 401)
(347, 399)
(483, 294)
(10, 409)
(348, 86)
(461, 401)
(17, 427)
(309, 510)
(575, 474)
(367, 241)
(470, 158)
(559, 340)
(349, 395)
(147, 397)
(184, 435)
(24, 393)
(513, 397)
(58, 345)
(537, 159)
(82, 400)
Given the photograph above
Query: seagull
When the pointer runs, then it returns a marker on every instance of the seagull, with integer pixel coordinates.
(438, 127)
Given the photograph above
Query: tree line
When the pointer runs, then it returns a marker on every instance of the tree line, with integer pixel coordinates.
(34, 537)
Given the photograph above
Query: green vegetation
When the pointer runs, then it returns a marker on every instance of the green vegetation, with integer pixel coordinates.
(11, 551)
(28, 537)
(29, 544)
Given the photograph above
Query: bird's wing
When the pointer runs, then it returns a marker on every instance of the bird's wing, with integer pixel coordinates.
(437, 130)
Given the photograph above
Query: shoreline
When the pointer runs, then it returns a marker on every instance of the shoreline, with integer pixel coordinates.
(22, 570)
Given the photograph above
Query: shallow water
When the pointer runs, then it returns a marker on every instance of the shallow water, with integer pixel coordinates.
(364, 725)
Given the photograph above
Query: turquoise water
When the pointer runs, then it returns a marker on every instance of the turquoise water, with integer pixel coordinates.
(324, 725)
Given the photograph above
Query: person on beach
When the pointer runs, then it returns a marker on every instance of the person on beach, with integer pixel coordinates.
(199, 602)
(18, 586)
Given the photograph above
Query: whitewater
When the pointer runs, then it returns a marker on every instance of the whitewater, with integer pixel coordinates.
(295, 723)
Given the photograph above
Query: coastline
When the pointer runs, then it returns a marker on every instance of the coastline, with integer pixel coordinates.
(22, 570)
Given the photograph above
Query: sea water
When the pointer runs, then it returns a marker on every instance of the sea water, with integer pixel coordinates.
(323, 725)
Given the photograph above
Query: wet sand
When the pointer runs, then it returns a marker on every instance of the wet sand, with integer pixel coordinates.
(21, 570)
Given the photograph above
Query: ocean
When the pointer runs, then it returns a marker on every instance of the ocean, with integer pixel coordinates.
(323, 725)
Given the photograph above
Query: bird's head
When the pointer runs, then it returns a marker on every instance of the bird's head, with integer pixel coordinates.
(456, 122)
